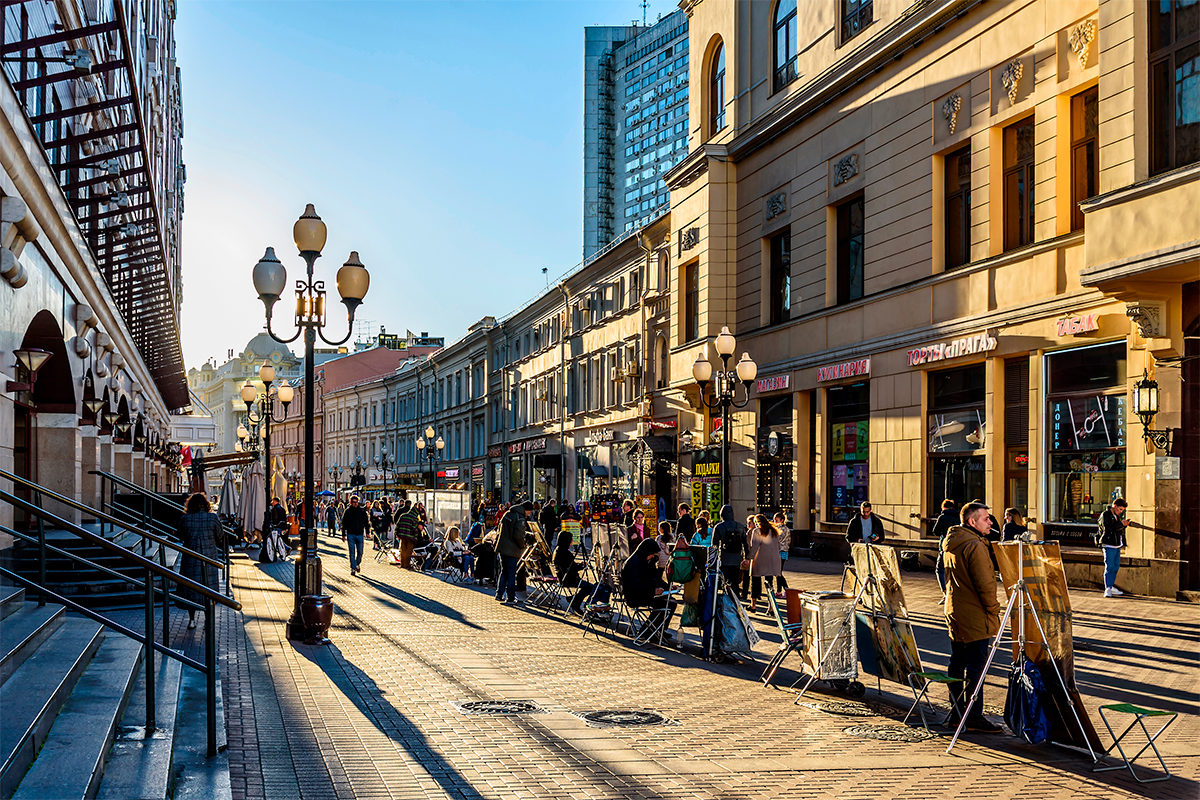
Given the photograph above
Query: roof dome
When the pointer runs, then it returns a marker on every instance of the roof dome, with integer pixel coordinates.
(262, 345)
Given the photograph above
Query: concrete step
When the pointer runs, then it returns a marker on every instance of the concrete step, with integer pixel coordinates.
(139, 765)
(195, 776)
(71, 762)
(31, 699)
(11, 600)
(23, 631)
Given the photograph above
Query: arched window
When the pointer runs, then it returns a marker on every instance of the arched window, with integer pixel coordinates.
(716, 90)
(664, 362)
(784, 43)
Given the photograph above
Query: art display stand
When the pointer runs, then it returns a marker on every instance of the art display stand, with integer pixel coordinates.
(1019, 600)
(893, 644)
(867, 585)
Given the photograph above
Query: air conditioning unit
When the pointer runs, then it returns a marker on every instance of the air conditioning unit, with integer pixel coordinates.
(633, 370)
(645, 407)
(615, 374)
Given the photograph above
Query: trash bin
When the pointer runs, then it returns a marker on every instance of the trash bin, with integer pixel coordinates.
(793, 605)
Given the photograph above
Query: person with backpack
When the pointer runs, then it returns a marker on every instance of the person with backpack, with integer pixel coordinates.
(972, 610)
(730, 536)
(510, 547)
(408, 531)
(1110, 536)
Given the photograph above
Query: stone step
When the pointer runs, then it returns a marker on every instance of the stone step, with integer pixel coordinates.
(37, 690)
(71, 761)
(23, 631)
(195, 776)
(139, 766)
(12, 598)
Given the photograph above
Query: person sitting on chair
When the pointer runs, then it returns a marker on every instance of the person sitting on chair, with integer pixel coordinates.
(567, 570)
(643, 584)
(455, 548)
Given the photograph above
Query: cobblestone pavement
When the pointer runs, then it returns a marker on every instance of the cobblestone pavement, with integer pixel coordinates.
(374, 714)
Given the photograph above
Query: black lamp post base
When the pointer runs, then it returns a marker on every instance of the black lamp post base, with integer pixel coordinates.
(312, 611)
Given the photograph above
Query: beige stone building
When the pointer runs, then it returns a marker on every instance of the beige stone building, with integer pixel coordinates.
(950, 235)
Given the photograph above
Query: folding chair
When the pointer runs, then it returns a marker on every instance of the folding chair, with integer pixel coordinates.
(381, 551)
(543, 592)
(1140, 715)
(648, 633)
(929, 679)
(448, 566)
(791, 639)
(596, 616)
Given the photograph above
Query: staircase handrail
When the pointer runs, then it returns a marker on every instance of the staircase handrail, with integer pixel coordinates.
(155, 496)
(103, 517)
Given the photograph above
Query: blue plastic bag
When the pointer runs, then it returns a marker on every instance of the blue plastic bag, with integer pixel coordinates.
(1024, 708)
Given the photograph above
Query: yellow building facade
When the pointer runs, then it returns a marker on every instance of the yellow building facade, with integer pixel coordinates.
(950, 234)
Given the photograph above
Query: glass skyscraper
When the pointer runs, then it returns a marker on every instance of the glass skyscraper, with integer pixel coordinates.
(635, 124)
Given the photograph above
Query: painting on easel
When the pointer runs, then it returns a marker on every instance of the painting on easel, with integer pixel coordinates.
(895, 645)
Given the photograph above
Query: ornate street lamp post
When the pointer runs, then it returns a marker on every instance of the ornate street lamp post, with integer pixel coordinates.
(385, 463)
(431, 448)
(266, 414)
(724, 391)
(335, 473)
(270, 278)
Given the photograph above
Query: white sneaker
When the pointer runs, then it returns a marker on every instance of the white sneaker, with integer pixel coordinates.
(1115, 592)
(1109, 592)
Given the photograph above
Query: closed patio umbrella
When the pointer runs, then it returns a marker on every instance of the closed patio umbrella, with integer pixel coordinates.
(278, 482)
(252, 504)
(227, 506)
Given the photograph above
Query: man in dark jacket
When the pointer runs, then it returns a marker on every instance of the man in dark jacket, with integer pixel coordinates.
(945, 521)
(1110, 535)
(548, 521)
(865, 527)
(626, 514)
(510, 547)
(730, 536)
(686, 527)
(354, 526)
(972, 610)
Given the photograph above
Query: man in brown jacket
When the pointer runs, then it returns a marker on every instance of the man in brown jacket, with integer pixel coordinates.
(972, 610)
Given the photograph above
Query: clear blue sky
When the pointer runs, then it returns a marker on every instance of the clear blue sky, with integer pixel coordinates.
(442, 140)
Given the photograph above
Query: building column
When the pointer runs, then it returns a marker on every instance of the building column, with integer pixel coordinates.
(89, 459)
(137, 468)
(57, 450)
(802, 448)
(123, 461)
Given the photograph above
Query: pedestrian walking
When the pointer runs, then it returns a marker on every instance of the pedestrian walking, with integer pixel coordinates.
(685, 528)
(865, 527)
(785, 550)
(354, 527)
(1110, 535)
(765, 564)
(730, 536)
(408, 531)
(198, 530)
(548, 521)
(972, 610)
(945, 521)
(510, 546)
(331, 518)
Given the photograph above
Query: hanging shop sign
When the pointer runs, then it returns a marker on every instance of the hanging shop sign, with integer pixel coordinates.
(773, 383)
(955, 348)
(516, 447)
(1080, 323)
(663, 425)
(495, 451)
(846, 369)
(535, 445)
(477, 473)
(450, 473)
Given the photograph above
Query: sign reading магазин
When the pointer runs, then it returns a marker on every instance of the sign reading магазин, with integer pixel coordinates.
(773, 383)
(847, 369)
(967, 345)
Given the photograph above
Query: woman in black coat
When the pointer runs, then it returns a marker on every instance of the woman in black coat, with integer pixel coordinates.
(643, 585)
(198, 530)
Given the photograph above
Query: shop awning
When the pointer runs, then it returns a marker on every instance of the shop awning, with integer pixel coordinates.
(656, 446)
(547, 461)
(598, 471)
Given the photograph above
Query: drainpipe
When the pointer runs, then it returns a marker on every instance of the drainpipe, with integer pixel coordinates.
(562, 397)
(643, 341)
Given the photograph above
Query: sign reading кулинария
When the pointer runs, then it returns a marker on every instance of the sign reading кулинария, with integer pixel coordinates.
(968, 345)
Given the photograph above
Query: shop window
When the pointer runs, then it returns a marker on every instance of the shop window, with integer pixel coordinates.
(1085, 161)
(780, 294)
(691, 302)
(785, 44)
(849, 411)
(850, 225)
(774, 481)
(1086, 439)
(1174, 84)
(856, 15)
(1016, 433)
(958, 207)
(957, 433)
(1018, 184)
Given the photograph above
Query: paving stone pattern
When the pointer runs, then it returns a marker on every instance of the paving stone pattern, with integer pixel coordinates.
(373, 714)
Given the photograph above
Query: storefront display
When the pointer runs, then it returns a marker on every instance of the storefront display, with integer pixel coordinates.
(849, 440)
(775, 484)
(1086, 406)
(957, 434)
(516, 477)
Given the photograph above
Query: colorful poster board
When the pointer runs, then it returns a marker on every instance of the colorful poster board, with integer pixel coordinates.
(648, 504)
(896, 654)
(1046, 583)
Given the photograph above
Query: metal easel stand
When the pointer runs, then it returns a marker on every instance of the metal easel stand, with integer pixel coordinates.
(1017, 599)
(847, 628)
(713, 568)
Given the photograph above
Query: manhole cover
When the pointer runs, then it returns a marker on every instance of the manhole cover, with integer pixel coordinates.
(888, 733)
(844, 709)
(624, 718)
(498, 707)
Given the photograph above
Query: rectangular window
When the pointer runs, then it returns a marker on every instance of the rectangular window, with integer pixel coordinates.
(856, 15)
(780, 290)
(850, 250)
(691, 303)
(849, 475)
(1174, 84)
(1085, 163)
(958, 207)
(1018, 184)
(957, 429)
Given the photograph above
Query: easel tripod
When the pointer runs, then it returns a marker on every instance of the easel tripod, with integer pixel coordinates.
(1020, 599)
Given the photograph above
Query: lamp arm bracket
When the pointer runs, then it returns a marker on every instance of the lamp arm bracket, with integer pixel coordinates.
(289, 340)
(344, 339)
